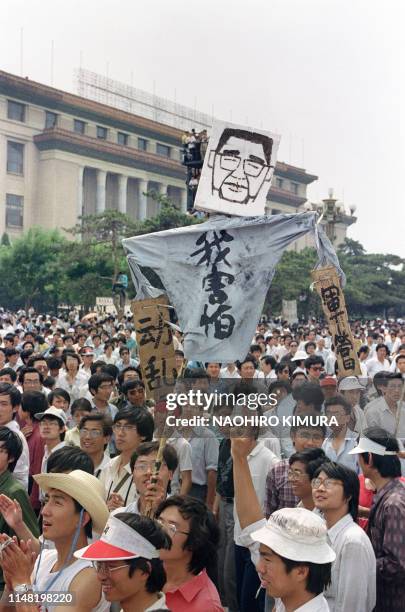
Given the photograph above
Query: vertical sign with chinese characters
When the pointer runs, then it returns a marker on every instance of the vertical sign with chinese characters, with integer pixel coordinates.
(212, 251)
(327, 284)
(156, 348)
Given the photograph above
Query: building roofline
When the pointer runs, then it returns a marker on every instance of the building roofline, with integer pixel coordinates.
(96, 148)
(57, 99)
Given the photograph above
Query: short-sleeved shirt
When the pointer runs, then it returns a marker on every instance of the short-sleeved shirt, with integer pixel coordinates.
(196, 595)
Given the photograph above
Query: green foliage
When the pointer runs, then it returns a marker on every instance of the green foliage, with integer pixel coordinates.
(30, 272)
(375, 282)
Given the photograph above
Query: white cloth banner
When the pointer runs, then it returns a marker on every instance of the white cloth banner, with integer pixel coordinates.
(217, 273)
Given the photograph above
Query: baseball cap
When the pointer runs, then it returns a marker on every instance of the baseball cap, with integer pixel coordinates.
(52, 411)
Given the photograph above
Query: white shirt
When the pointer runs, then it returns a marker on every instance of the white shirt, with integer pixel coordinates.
(225, 373)
(378, 414)
(260, 460)
(185, 464)
(22, 468)
(317, 604)
(110, 478)
(374, 366)
(353, 586)
(74, 389)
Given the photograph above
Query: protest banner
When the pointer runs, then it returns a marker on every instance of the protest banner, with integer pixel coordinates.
(156, 348)
(327, 284)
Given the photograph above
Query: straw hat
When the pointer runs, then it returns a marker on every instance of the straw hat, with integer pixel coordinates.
(86, 489)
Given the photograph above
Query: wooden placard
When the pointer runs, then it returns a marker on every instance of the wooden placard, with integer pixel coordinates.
(327, 284)
(156, 349)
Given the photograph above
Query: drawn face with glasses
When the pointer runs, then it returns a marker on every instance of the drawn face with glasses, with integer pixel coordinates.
(241, 165)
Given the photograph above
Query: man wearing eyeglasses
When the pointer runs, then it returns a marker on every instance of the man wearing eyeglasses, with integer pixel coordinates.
(95, 431)
(241, 165)
(131, 428)
(335, 491)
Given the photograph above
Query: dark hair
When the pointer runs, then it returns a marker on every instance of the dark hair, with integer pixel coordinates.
(33, 402)
(280, 367)
(30, 371)
(95, 365)
(248, 359)
(310, 394)
(67, 353)
(350, 481)
(310, 343)
(265, 141)
(69, 458)
(204, 535)
(294, 376)
(80, 404)
(132, 384)
(363, 349)
(34, 358)
(96, 380)
(398, 357)
(312, 458)
(319, 574)
(9, 372)
(121, 375)
(390, 376)
(58, 392)
(11, 351)
(269, 360)
(54, 363)
(388, 466)
(147, 448)
(97, 417)
(111, 369)
(338, 400)
(13, 392)
(25, 354)
(383, 346)
(139, 417)
(152, 532)
(313, 360)
(13, 445)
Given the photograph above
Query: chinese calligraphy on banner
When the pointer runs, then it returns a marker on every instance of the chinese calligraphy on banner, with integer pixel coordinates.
(328, 287)
(156, 348)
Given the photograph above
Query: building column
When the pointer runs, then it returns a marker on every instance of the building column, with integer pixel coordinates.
(122, 193)
(80, 198)
(183, 205)
(143, 199)
(163, 191)
(100, 200)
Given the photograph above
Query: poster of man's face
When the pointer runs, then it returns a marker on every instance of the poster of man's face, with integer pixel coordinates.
(237, 172)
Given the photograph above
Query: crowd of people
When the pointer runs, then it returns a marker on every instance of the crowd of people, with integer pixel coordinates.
(289, 517)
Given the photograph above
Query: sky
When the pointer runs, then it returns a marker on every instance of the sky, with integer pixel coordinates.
(328, 75)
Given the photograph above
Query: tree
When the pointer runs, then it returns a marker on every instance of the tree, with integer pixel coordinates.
(30, 274)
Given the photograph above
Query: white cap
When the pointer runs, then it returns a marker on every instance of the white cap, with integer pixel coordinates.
(365, 445)
(350, 383)
(52, 411)
(300, 356)
(118, 541)
(296, 534)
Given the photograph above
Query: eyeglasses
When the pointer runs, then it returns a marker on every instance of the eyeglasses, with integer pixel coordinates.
(328, 483)
(92, 433)
(144, 467)
(171, 528)
(125, 428)
(295, 474)
(316, 368)
(101, 566)
(250, 167)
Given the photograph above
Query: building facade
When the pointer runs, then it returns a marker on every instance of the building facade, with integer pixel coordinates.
(63, 156)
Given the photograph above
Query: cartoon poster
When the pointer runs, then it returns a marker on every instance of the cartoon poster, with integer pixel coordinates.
(237, 171)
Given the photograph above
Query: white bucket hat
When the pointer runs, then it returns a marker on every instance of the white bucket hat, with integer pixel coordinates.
(300, 356)
(296, 534)
(350, 383)
(86, 489)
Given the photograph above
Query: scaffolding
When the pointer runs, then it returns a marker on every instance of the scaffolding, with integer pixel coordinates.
(138, 102)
